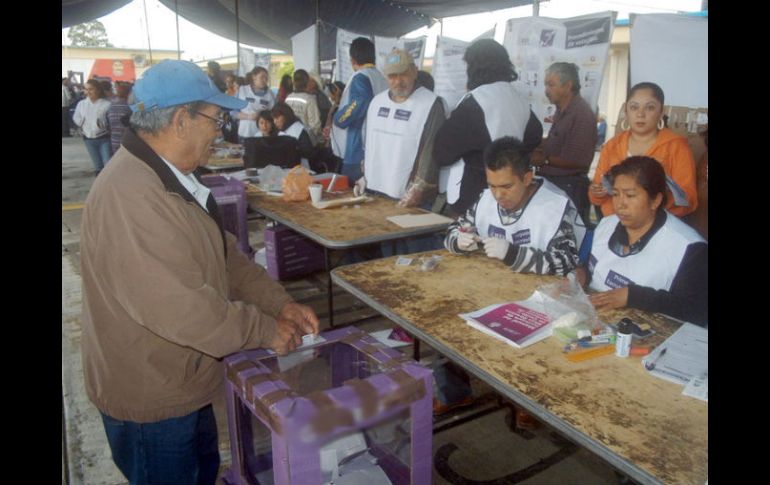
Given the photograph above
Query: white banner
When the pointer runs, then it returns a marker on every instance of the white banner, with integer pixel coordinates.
(304, 49)
(384, 45)
(343, 70)
(672, 51)
(246, 61)
(534, 43)
(262, 60)
(449, 70)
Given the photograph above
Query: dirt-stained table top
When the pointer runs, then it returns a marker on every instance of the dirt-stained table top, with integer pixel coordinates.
(341, 227)
(641, 424)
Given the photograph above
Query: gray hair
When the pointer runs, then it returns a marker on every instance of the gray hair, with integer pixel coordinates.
(156, 120)
(567, 71)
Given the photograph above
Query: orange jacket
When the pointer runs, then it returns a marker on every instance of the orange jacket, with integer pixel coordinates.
(670, 149)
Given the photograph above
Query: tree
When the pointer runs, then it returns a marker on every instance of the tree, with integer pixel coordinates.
(89, 34)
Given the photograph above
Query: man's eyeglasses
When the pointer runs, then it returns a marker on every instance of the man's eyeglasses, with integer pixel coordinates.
(220, 122)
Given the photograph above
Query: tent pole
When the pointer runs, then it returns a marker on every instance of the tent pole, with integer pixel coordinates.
(237, 39)
(176, 13)
(318, 37)
(147, 26)
(535, 8)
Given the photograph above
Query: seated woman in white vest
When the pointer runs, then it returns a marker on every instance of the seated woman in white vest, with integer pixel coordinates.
(290, 125)
(525, 221)
(644, 257)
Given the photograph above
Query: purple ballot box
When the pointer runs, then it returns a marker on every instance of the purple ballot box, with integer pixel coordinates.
(343, 409)
(230, 195)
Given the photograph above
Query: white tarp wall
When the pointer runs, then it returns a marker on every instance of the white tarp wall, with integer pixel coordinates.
(304, 48)
(343, 69)
(672, 51)
(534, 43)
(384, 45)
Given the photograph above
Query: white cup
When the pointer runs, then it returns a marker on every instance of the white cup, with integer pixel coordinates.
(315, 192)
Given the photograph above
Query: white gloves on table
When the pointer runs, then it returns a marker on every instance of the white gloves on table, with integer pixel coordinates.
(360, 187)
(466, 241)
(496, 247)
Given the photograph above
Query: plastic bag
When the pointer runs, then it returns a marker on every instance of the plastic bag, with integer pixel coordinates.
(296, 184)
(271, 178)
(570, 310)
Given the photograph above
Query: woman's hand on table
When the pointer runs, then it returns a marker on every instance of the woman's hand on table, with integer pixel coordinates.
(607, 300)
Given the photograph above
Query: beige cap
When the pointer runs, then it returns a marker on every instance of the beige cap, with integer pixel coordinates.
(397, 61)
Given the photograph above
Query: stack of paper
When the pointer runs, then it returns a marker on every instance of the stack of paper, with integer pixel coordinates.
(682, 358)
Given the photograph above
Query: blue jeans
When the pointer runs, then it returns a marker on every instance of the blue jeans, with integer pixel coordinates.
(353, 172)
(99, 150)
(173, 451)
(452, 383)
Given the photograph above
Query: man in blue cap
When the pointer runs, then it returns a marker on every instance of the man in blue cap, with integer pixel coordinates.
(166, 294)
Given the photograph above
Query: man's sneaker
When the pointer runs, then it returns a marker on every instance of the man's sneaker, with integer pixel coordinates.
(440, 409)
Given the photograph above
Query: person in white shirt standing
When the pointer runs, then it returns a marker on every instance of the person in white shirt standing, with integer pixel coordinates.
(91, 116)
(401, 125)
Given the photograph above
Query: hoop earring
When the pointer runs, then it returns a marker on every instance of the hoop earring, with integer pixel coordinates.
(661, 124)
(624, 124)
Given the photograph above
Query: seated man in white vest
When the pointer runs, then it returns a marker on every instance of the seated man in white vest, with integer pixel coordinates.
(525, 221)
(401, 125)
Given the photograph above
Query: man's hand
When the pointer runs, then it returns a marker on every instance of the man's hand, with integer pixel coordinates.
(537, 157)
(302, 316)
(496, 247)
(467, 241)
(607, 300)
(287, 337)
(360, 187)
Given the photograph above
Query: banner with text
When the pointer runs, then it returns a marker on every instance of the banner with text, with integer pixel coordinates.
(534, 43)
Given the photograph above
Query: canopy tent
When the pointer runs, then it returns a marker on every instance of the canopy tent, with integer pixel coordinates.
(271, 23)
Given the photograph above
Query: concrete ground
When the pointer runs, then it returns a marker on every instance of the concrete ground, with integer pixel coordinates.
(480, 451)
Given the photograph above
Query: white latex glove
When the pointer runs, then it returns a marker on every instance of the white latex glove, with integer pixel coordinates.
(359, 187)
(496, 247)
(466, 241)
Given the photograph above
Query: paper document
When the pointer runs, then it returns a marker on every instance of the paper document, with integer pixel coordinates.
(682, 357)
(418, 220)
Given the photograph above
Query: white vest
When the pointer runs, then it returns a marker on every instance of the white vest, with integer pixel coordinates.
(339, 136)
(654, 267)
(537, 225)
(294, 131)
(506, 113)
(249, 128)
(393, 132)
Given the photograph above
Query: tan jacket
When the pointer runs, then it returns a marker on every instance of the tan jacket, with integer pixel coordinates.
(163, 301)
(305, 107)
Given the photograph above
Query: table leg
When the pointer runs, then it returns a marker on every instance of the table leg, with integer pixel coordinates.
(329, 296)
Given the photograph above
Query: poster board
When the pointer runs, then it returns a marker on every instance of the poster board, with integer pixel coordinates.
(534, 43)
(660, 44)
(449, 70)
(304, 48)
(343, 69)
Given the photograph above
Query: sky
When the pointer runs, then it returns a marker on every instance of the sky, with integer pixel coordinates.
(126, 27)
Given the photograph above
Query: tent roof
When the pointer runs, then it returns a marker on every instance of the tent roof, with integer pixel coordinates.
(271, 23)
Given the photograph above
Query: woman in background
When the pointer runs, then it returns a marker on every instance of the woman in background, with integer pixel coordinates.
(647, 135)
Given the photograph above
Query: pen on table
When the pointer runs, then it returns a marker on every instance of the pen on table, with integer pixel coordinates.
(651, 365)
(332, 182)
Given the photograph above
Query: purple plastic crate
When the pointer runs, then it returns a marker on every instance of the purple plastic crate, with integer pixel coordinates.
(231, 199)
(292, 419)
(290, 255)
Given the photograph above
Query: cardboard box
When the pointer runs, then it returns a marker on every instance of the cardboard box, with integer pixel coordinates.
(290, 255)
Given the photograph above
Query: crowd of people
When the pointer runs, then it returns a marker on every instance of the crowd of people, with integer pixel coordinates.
(166, 293)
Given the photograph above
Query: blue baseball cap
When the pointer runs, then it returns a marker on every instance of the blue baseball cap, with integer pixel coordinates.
(171, 82)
